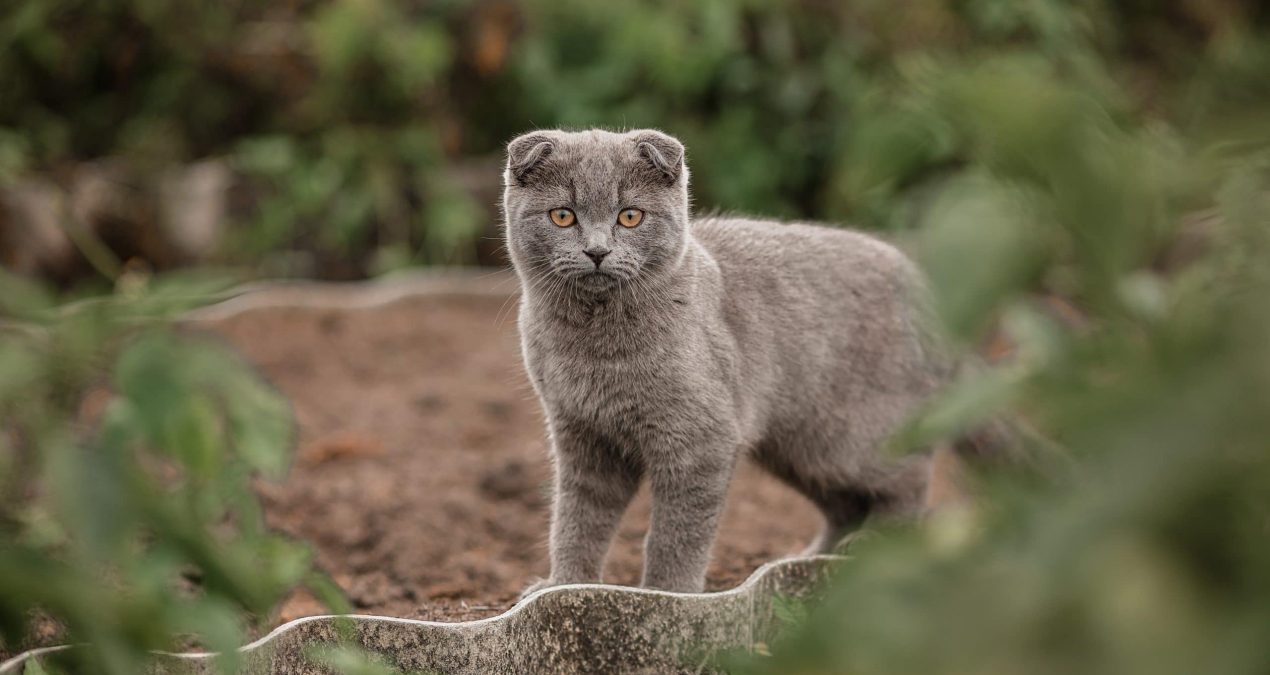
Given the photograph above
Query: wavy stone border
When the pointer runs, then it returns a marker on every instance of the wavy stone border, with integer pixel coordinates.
(356, 295)
(582, 628)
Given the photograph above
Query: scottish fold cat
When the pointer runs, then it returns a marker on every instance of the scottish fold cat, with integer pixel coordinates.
(666, 348)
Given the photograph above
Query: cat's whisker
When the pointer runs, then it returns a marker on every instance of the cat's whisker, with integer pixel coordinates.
(500, 317)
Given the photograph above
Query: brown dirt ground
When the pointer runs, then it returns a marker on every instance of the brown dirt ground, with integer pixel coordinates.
(421, 474)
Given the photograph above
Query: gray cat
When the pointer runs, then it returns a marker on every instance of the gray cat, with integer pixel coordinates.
(669, 348)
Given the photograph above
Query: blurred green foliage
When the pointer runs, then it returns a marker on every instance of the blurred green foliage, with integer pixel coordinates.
(356, 120)
(126, 451)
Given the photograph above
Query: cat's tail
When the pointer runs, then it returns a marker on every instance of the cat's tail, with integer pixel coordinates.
(997, 445)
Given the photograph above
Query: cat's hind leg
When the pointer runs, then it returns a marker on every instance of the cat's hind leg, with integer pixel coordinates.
(898, 497)
(846, 495)
(845, 510)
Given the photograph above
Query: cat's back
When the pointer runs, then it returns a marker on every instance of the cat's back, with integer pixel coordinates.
(808, 301)
(779, 260)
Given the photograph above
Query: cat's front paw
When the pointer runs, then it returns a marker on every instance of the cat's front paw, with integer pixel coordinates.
(536, 586)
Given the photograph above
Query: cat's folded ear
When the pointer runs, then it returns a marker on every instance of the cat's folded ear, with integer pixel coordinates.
(665, 153)
(525, 153)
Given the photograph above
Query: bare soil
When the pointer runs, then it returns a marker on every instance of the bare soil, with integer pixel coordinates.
(421, 477)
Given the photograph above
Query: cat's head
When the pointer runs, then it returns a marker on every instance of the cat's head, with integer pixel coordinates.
(597, 208)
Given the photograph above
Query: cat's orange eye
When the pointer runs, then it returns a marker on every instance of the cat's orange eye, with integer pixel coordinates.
(563, 217)
(630, 217)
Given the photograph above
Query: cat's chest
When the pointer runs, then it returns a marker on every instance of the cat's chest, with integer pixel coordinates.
(633, 403)
(579, 375)
(565, 376)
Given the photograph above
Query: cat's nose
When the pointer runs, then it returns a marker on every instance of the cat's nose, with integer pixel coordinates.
(596, 254)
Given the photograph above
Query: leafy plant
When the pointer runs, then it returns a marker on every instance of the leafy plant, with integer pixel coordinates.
(349, 120)
(127, 448)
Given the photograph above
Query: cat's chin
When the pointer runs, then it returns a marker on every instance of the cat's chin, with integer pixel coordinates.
(597, 282)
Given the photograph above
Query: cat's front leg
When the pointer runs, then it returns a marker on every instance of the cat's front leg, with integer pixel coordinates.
(688, 499)
(593, 486)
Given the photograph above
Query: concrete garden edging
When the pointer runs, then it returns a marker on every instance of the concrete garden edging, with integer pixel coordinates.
(581, 628)
(355, 295)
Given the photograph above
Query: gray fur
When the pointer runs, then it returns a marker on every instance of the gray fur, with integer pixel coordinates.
(702, 342)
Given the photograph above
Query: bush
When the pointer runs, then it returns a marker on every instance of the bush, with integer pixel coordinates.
(127, 521)
(353, 120)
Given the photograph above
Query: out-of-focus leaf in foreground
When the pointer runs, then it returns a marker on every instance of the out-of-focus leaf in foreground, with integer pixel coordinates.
(126, 515)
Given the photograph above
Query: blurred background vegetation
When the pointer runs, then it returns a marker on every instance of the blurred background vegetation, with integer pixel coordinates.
(1086, 181)
(342, 138)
